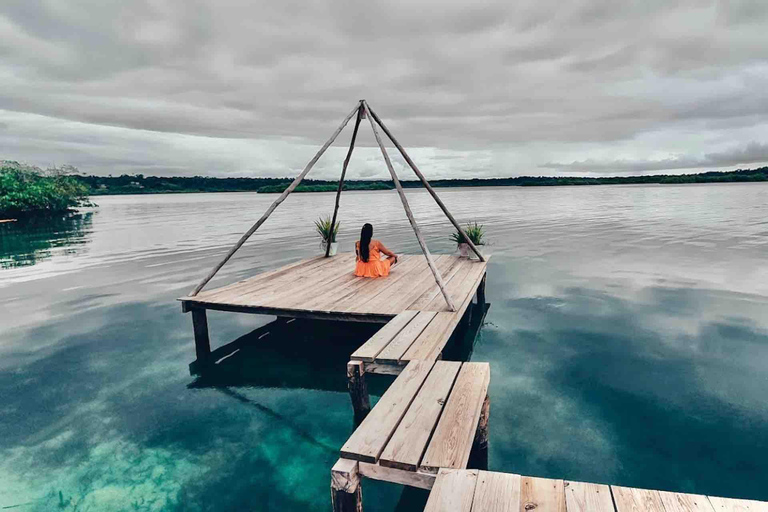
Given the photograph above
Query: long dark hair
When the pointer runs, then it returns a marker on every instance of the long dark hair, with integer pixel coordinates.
(365, 240)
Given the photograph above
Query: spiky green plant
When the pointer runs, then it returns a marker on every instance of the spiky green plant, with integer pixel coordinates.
(323, 227)
(475, 232)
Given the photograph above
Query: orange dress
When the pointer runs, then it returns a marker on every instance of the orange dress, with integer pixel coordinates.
(375, 266)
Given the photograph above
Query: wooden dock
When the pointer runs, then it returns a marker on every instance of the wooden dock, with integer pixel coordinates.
(323, 288)
(473, 490)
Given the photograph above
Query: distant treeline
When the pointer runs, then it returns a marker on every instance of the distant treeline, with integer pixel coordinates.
(140, 184)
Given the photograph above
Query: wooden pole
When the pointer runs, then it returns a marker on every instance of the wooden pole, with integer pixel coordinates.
(343, 173)
(408, 212)
(274, 205)
(427, 185)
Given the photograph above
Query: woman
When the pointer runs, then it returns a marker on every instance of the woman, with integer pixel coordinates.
(369, 262)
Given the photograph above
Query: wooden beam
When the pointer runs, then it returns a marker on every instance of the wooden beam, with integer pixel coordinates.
(343, 173)
(274, 205)
(426, 184)
(408, 212)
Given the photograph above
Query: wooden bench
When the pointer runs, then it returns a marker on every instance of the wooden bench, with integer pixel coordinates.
(433, 416)
(486, 491)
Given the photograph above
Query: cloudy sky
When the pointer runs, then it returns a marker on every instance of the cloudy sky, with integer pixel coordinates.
(480, 88)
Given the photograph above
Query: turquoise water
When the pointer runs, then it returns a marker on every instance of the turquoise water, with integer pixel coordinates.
(627, 336)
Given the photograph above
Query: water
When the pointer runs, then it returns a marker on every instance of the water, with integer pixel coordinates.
(628, 342)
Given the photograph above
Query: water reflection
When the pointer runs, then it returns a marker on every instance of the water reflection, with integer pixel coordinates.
(34, 239)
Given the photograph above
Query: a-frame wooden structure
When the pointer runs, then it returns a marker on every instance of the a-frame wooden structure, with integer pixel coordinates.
(363, 111)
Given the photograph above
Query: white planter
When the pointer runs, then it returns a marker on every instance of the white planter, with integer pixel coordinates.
(464, 250)
(334, 248)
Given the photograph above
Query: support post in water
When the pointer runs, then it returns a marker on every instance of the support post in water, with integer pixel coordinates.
(346, 491)
(409, 214)
(202, 342)
(426, 184)
(274, 205)
(480, 444)
(343, 173)
(358, 390)
(481, 291)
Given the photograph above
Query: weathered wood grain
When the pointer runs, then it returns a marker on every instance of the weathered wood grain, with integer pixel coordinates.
(451, 443)
(400, 344)
(542, 494)
(369, 439)
(629, 499)
(587, 497)
(371, 348)
(407, 445)
(497, 492)
(453, 491)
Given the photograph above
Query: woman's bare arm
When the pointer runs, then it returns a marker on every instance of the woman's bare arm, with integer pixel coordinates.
(386, 251)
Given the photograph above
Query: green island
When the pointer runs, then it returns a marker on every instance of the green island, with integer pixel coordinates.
(28, 190)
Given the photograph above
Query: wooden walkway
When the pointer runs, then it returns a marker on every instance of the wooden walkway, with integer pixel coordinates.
(326, 288)
(475, 491)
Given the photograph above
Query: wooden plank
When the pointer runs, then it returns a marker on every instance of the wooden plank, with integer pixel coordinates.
(541, 494)
(371, 286)
(452, 441)
(586, 497)
(297, 313)
(434, 338)
(431, 294)
(405, 338)
(681, 502)
(737, 505)
(497, 492)
(275, 204)
(278, 282)
(333, 296)
(302, 285)
(461, 289)
(446, 265)
(306, 287)
(416, 281)
(407, 445)
(453, 491)
(368, 441)
(629, 499)
(383, 369)
(263, 277)
(371, 348)
(397, 476)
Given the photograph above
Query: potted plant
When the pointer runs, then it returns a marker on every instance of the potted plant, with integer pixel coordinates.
(476, 234)
(323, 227)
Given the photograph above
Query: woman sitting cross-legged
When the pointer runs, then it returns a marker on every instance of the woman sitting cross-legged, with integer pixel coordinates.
(369, 262)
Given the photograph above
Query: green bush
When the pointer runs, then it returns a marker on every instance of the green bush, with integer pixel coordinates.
(30, 190)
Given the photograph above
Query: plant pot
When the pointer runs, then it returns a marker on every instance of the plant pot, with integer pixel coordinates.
(334, 248)
(463, 250)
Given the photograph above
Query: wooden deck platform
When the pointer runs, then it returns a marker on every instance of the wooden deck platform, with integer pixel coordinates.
(326, 288)
(474, 491)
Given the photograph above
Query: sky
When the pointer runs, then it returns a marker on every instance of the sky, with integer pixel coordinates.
(471, 89)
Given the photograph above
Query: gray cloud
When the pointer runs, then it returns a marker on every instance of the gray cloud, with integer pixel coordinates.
(481, 88)
(752, 153)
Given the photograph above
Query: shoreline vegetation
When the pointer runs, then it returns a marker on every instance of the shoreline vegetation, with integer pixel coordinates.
(30, 191)
(140, 184)
(27, 190)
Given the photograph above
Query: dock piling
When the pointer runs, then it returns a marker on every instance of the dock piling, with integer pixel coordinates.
(358, 390)
(202, 342)
(346, 491)
(480, 443)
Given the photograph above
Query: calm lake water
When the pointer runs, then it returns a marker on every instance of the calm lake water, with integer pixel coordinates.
(627, 336)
